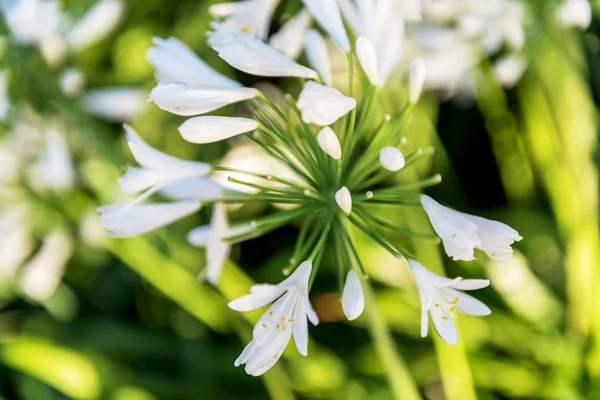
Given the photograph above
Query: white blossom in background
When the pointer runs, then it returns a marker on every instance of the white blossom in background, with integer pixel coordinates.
(55, 164)
(249, 16)
(16, 241)
(290, 39)
(323, 105)
(509, 70)
(30, 21)
(442, 298)
(317, 54)
(4, 98)
(577, 13)
(286, 317)
(114, 104)
(416, 79)
(327, 13)
(71, 81)
(98, 22)
(353, 298)
(368, 59)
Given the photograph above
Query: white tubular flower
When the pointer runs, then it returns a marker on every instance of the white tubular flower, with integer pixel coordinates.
(462, 233)
(391, 158)
(4, 100)
(118, 104)
(42, 274)
(174, 62)
(124, 220)
(252, 56)
(575, 13)
(416, 79)
(71, 81)
(353, 298)
(55, 164)
(329, 143)
(323, 105)
(318, 56)
(442, 298)
(343, 198)
(157, 170)
(250, 16)
(287, 316)
(210, 129)
(367, 59)
(96, 24)
(327, 12)
(192, 100)
(289, 40)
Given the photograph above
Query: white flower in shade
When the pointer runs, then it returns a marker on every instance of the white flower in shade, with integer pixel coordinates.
(16, 241)
(96, 24)
(4, 100)
(367, 59)
(250, 16)
(462, 233)
(43, 273)
(575, 13)
(124, 220)
(323, 105)
(174, 62)
(71, 81)
(391, 158)
(55, 165)
(353, 298)
(327, 12)
(317, 54)
(509, 69)
(252, 56)
(157, 171)
(289, 40)
(329, 143)
(416, 79)
(30, 21)
(442, 298)
(343, 198)
(184, 99)
(287, 316)
(115, 104)
(210, 129)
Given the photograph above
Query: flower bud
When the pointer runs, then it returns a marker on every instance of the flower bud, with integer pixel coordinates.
(71, 81)
(329, 143)
(353, 298)
(391, 158)
(367, 59)
(343, 198)
(416, 79)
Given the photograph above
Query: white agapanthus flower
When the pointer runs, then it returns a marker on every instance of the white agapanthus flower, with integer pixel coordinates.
(576, 13)
(289, 40)
(16, 241)
(95, 25)
(4, 99)
(115, 104)
(443, 299)
(317, 54)
(55, 165)
(329, 143)
(250, 16)
(30, 21)
(463, 233)
(71, 81)
(327, 12)
(391, 158)
(323, 105)
(353, 298)
(343, 198)
(286, 317)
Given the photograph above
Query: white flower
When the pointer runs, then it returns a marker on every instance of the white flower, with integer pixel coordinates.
(462, 233)
(286, 317)
(343, 198)
(96, 24)
(353, 298)
(42, 274)
(329, 143)
(16, 241)
(174, 62)
(323, 105)
(250, 16)
(416, 79)
(327, 12)
(71, 81)
(117, 104)
(289, 40)
(184, 99)
(367, 59)
(55, 165)
(210, 129)
(4, 100)
(391, 158)
(30, 21)
(509, 69)
(157, 170)
(318, 56)
(124, 220)
(193, 188)
(441, 297)
(252, 56)
(575, 13)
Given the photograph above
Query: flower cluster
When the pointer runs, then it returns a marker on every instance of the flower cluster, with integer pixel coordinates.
(329, 159)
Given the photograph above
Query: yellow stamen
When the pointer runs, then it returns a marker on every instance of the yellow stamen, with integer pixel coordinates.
(445, 318)
(265, 326)
(453, 235)
(437, 305)
(283, 320)
(459, 313)
(277, 327)
(270, 313)
(452, 309)
(455, 301)
(290, 320)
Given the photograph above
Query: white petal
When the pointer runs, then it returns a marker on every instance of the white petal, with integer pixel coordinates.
(199, 236)
(391, 158)
(55, 164)
(290, 38)
(71, 81)
(217, 250)
(464, 302)
(96, 24)
(471, 284)
(368, 59)
(118, 104)
(353, 299)
(496, 238)
(508, 70)
(310, 312)
(299, 278)
(268, 355)
(323, 105)
(193, 188)
(329, 143)
(191, 100)
(327, 12)
(137, 179)
(210, 129)
(426, 291)
(318, 56)
(300, 329)
(416, 79)
(444, 326)
(575, 13)
(343, 198)
(251, 16)
(253, 301)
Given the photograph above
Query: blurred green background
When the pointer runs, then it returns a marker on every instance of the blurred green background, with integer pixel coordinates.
(128, 321)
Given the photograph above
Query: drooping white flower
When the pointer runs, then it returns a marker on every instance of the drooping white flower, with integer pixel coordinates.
(71, 81)
(286, 317)
(367, 59)
(96, 24)
(391, 158)
(252, 56)
(115, 104)
(55, 165)
(289, 40)
(416, 79)
(462, 233)
(329, 143)
(327, 12)
(210, 129)
(250, 16)
(343, 198)
(157, 170)
(318, 56)
(353, 298)
(575, 13)
(124, 220)
(4, 99)
(323, 105)
(442, 298)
